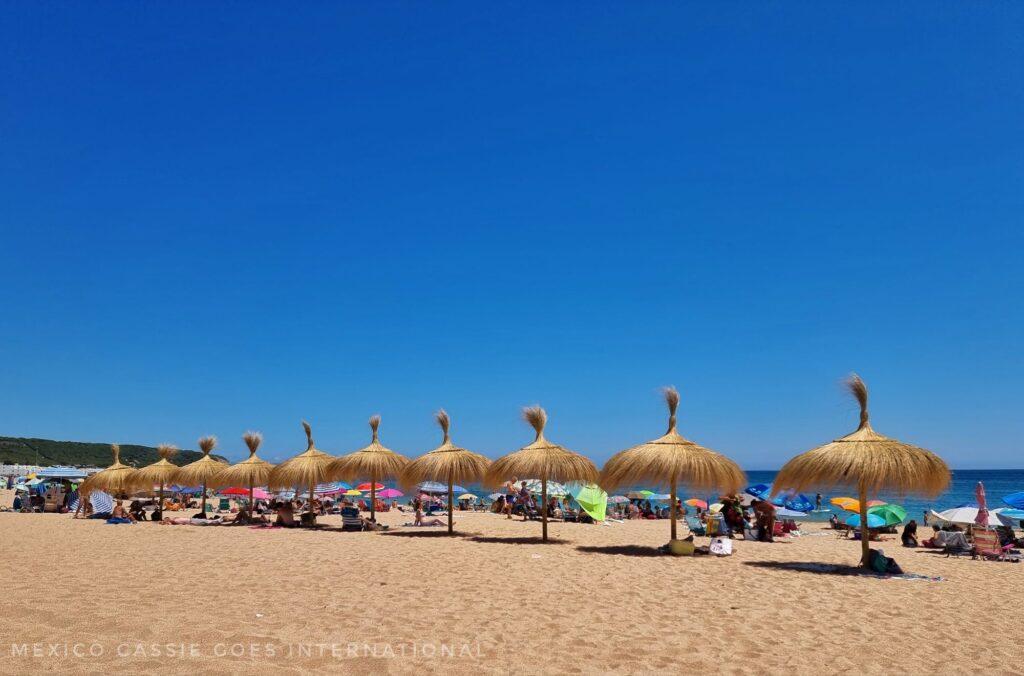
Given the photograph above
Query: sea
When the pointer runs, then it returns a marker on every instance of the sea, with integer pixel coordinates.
(961, 491)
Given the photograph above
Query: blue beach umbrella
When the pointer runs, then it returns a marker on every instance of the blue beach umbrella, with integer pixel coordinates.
(874, 521)
(799, 503)
(760, 491)
(435, 487)
(1015, 500)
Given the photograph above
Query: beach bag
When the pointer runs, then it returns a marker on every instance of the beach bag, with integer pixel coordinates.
(721, 546)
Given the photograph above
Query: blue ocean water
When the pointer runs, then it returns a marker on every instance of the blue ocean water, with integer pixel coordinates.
(998, 482)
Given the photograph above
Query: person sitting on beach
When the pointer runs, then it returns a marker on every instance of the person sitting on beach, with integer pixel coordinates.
(909, 536)
(119, 515)
(420, 521)
(833, 521)
(138, 514)
(526, 500)
(285, 514)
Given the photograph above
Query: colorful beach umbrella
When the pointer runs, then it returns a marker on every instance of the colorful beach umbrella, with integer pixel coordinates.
(672, 459)
(467, 496)
(874, 521)
(868, 461)
(1015, 500)
(1011, 518)
(639, 495)
(544, 459)
(618, 499)
(367, 486)
(979, 492)
(842, 503)
(892, 515)
(592, 500)
(390, 494)
(759, 491)
(697, 502)
(353, 493)
(876, 503)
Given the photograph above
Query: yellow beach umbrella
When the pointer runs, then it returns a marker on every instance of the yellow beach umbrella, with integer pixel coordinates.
(160, 472)
(867, 461)
(375, 462)
(447, 463)
(202, 471)
(542, 459)
(251, 472)
(308, 468)
(672, 459)
(116, 479)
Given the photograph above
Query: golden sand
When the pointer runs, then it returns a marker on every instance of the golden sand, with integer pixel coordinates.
(186, 599)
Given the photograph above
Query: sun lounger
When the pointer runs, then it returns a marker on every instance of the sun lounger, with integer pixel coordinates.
(953, 543)
(696, 525)
(986, 546)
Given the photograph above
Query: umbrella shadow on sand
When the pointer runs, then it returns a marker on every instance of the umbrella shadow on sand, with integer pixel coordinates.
(622, 550)
(517, 540)
(815, 567)
(424, 534)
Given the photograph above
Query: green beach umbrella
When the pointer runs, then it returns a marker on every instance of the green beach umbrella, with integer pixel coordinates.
(593, 500)
(892, 514)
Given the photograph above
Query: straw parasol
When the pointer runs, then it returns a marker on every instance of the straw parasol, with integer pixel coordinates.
(447, 463)
(306, 469)
(868, 461)
(375, 462)
(160, 472)
(541, 459)
(251, 472)
(116, 479)
(202, 471)
(672, 459)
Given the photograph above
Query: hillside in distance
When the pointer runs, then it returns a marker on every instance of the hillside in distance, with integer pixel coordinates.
(23, 451)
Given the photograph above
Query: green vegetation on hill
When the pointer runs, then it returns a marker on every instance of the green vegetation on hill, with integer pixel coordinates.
(18, 451)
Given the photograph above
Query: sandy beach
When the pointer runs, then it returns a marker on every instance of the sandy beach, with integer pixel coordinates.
(146, 598)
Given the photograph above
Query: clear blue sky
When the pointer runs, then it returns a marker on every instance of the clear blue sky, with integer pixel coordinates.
(226, 216)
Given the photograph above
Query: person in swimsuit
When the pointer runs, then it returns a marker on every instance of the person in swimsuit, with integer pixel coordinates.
(510, 496)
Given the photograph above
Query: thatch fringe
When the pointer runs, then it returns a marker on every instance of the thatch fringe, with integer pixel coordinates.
(166, 451)
(672, 399)
(253, 441)
(537, 418)
(207, 444)
(671, 460)
(445, 422)
(860, 392)
(304, 470)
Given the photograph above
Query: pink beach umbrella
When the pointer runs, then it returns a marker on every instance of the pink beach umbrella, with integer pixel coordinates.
(389, 493)
(982, 518)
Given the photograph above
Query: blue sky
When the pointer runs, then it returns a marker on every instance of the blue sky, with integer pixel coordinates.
(239, 215)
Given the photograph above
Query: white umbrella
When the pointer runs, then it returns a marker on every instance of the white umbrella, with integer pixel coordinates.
(494, 496)
(969, 516)
(618, 499)
(554, 488)
(782, 511)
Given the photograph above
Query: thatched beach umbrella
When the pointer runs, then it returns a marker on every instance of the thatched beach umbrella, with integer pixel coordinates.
(203, 471)
(672, 459)
(116, 479)
(160, 472)
(308, 468)
(447, 463)
(541, 459)
(251, 472)
(375, 462)
(868, 461)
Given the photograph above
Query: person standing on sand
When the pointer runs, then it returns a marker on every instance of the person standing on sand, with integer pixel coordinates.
(526, 500)
(510, 496)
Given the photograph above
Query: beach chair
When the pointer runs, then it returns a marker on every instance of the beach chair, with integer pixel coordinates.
(986, 546)
(954, 543)
(696, 525)
(224, 505)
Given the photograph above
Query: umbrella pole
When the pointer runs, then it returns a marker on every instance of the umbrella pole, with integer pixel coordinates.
(865, 545)
(252, 503)
(373, 498)
(312, 514)
(451, 495)
(202, 506)
(544, 507)
(672, 510)
(160, 507)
